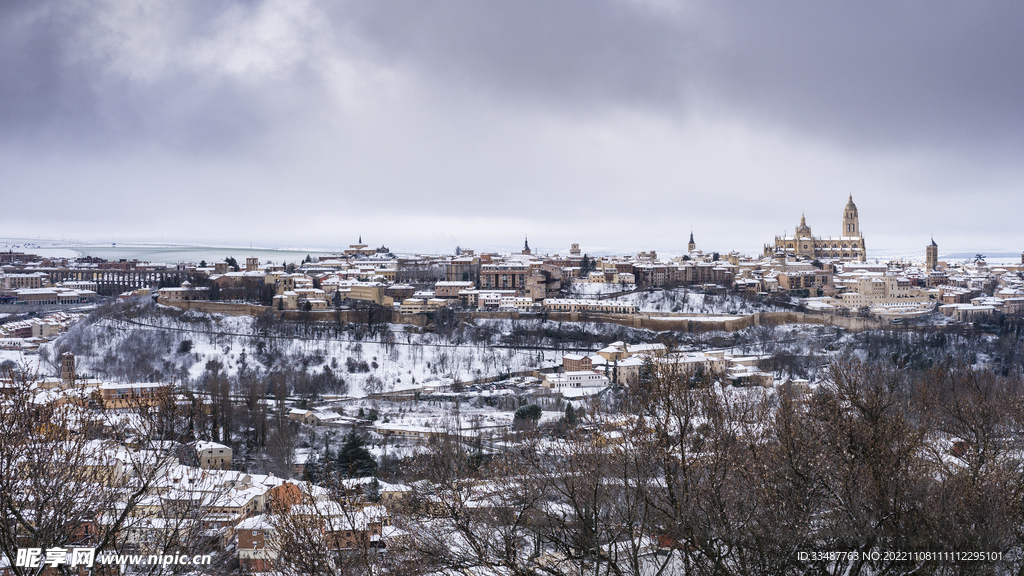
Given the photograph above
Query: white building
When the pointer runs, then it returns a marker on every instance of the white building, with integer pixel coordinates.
(576, 379)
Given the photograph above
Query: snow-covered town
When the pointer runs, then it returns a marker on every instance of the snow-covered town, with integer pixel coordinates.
(246, 407)
(476, 288)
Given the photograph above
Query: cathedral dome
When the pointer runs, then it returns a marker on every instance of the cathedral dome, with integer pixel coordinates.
(850, 205)
(803, 230)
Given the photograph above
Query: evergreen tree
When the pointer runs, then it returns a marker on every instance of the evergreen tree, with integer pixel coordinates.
(586, 266)
(373, 491)
(529, 412)
(570, 415)
(526, 417)
(311, 471)
(354, 460)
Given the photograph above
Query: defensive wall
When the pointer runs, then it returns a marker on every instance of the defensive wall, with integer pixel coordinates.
(244, 309)
(661, 322)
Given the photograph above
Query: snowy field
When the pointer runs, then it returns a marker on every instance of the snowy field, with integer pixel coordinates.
(154, 347)
(593, 289)
(682, 300)
(22, 360)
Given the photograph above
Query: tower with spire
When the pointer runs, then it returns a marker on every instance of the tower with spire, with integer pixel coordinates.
(804, 239)
(931, 256)
(526, 246)
(851, 223)
(692, 245)
(849, 245)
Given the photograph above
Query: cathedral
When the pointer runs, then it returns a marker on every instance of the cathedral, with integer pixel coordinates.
(802, 244)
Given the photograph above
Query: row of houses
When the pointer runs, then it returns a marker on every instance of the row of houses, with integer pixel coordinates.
(621, 363)
(46, 327)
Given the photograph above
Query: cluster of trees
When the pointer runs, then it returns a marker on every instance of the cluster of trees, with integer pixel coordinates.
(77, 475)
(586, 266)
(352, 460)
(880, 458)
(239, 413)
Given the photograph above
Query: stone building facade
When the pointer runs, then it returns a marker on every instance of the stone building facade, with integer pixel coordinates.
(849, 245)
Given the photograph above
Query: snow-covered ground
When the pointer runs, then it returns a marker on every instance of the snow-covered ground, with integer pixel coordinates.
(592, 289)
(30, 361)
(403, 360)
(683, 300)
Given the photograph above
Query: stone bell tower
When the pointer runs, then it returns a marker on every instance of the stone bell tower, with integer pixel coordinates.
(67, 369)
(851, 223)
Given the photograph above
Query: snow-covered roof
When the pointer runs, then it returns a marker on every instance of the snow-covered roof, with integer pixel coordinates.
(202, 445)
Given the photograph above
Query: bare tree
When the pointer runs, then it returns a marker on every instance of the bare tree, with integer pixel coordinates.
(74, 475)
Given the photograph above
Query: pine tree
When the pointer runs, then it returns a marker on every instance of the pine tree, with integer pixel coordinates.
(373, 491)
(311, 471)
(354, 460)
(327, 463)
(570, 415)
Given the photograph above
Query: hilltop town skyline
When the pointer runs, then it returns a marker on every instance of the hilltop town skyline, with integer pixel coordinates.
(148, 249)
(496, 288)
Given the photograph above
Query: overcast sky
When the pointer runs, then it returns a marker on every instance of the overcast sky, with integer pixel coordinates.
(424, 125)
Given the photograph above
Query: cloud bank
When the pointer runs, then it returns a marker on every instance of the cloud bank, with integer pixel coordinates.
(618, 124)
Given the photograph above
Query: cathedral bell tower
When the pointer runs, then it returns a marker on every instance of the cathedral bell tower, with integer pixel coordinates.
(851, 224)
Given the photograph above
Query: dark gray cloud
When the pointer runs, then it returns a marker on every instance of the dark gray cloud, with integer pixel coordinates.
(918, 73)
(921, 73)
(62, 88)
(475, 119)
(579, 52)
